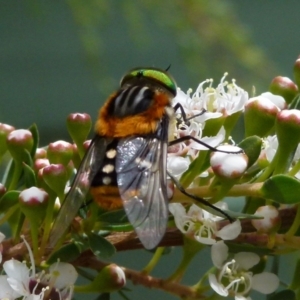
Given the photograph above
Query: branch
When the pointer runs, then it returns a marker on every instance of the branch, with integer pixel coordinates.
(88, 260)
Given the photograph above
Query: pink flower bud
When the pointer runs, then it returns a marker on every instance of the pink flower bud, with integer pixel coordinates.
(284, 87)
(297, 71)
(270, 220)
(4, 131)
(2, 190)
(117, 276)
(229, 165)
(60, 152)
(41, 163)
(260, 115)
(56, 177)
(87, 144)
(33, 197)
(40, 153)
(79, 126)
(287, 128)
(18, 141)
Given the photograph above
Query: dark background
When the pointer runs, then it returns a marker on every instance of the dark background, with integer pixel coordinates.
(58, 57)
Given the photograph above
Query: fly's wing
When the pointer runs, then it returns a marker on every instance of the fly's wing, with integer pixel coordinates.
(141, 177)
(79, 189)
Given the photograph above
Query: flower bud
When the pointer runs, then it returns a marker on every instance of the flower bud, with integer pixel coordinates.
(56, 177)
(2, 190)
(229, 165)
(40, 153)
(262, 160)
(110, 278)
(33, 197)
(79, 126)
(260, 115)
(60, 152)
(297, 71)
(18, 141)
(288, 128)
(33, 202)
(284, 87)
(271, 219)
(87, 144)
(4, 131)
(41, 163)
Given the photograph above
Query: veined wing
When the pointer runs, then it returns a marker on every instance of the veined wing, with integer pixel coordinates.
(79, 189)
(141, 178)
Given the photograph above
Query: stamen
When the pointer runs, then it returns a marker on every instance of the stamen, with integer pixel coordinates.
(30, 255)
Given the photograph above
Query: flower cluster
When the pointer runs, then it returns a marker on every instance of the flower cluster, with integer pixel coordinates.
(20, 281)
(203, 162)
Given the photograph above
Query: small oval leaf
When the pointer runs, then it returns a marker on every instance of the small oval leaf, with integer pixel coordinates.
(101, 247)
(66, 253)
(252, 148)
(283, 189)
(8, 200)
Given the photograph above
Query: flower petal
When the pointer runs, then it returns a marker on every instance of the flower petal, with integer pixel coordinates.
(219, 253)
(212, 141)
(230, 231)
(177, 165)
(265, 282)
(65, 274)
(246, 260)
(6, 291)
(17, 270)
(179, 213)
(216, 286)
(18, 286)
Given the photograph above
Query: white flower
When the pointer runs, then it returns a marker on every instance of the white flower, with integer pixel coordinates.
(205, 104)
(57, 282)
(226, 101)
(233, 276)
(201, 225)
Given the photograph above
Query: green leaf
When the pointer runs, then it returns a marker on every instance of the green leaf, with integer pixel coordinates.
(8, 200)
(35, 134)
(197, 166)
(27, 159)
(286, 294)
(66, 253)
(100, 246)
(9, 172)
(114, 217)
(29, 176)
(283, 189)
(252, 148)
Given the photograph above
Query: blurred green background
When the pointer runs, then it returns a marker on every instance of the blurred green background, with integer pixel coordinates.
(58, 57)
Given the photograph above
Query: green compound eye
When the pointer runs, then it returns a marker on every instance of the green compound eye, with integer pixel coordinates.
(154, 75)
